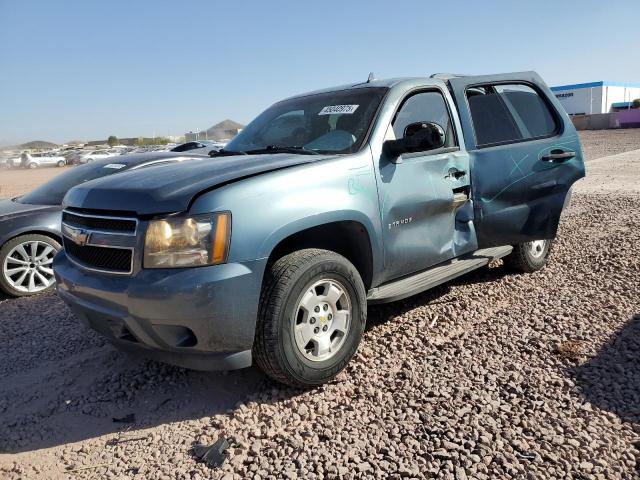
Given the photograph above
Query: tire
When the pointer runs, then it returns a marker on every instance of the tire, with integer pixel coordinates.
(32, 165)
(61, 163)
(306, 277)
(12, 259)
(529, 257)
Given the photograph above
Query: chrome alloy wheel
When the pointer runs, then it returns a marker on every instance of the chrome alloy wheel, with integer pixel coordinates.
(537, 248)
(322, 320)
(28, 267)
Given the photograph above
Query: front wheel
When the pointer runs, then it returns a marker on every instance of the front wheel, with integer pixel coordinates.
(33, 165)
(26, 265)
(529, 257)
(311, 317)
(61, 163)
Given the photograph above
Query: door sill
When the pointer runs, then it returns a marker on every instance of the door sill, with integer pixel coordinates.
(434, 276)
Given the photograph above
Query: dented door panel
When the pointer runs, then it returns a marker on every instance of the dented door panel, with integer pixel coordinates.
(422, 225)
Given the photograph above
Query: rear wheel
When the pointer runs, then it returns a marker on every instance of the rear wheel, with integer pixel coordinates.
(26, 265)
(311, 317)
(33, 165)
(529, 257)
(61, 163)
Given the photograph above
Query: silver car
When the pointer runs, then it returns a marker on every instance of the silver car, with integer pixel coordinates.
(44, 159)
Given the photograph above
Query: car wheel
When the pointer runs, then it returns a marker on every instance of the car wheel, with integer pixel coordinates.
(61, 163)
(26, 265)
(529, 257)
(311, 317)
(33, 165)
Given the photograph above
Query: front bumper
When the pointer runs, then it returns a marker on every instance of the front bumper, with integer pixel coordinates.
(200, 318)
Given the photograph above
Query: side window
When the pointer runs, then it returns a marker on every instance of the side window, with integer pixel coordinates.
(425, 107)
(509, 113)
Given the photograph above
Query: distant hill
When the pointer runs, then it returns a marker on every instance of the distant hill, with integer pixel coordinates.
(37, 144)
(224, 130)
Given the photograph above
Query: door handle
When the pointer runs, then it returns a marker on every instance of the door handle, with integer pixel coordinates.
(557, 156)
(455, 174)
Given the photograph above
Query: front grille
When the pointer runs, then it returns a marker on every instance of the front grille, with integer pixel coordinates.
(109, 259)
(123, 225)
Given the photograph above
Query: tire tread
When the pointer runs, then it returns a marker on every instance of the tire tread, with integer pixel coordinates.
(275, 290)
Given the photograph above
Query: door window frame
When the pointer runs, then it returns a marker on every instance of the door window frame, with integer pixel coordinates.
(437, 151)
(559, 130)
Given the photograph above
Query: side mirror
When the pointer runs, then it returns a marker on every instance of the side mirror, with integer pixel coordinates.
(418, 137)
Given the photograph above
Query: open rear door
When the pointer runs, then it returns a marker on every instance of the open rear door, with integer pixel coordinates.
(524, 155)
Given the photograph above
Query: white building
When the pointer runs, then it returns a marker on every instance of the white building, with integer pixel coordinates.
(596, 97)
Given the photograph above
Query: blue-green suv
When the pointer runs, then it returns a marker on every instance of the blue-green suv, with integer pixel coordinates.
(326, 202)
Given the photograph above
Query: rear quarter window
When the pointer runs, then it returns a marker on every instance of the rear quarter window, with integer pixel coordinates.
(509, 113)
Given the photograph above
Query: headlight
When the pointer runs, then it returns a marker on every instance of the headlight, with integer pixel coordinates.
(187, 242)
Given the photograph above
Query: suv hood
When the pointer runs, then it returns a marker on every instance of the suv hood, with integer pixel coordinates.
(170, 188)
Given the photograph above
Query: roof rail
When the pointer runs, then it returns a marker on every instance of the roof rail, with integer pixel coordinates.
(447, 76)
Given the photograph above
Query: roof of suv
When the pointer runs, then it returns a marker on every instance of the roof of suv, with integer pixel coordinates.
(382, 83)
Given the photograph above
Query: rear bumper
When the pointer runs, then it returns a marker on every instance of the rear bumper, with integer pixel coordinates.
(200, 318)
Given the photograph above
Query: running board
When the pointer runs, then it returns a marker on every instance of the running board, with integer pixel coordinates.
(419, 282)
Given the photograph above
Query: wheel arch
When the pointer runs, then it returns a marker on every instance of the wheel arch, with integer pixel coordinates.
(348, 238)
(37, 231)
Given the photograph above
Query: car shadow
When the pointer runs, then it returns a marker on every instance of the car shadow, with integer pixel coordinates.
(70, 384)
(62, 383)
(611, 379)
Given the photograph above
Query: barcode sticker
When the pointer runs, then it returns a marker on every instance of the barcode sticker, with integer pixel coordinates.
(334, 109)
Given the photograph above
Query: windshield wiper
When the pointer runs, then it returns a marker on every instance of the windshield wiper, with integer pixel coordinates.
(226, 153)
(283, 149)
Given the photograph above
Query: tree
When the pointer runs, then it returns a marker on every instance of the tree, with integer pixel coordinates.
(636, 103)
(112, 141)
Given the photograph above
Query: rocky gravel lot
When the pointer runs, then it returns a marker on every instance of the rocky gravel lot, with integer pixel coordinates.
(601, 143)
(495, 375)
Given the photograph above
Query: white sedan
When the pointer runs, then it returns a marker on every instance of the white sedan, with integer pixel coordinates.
(96, 155)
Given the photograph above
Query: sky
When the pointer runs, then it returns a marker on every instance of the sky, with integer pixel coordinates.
(87, 69)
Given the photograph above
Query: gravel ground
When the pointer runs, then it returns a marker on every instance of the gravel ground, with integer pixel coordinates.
(600, 143)
(492, 376)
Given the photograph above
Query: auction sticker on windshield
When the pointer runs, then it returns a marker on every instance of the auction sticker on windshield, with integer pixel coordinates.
(330, 110)
(116, 166)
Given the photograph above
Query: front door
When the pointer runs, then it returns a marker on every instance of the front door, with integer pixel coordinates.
(524, 158)
(425, 219)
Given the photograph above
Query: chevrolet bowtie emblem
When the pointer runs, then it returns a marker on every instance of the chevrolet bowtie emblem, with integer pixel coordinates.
(78, 235)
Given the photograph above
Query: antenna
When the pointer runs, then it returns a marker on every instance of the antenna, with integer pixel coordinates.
(371, 78)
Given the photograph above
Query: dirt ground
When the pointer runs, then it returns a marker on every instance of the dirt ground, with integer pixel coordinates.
(14, 182)
(495, 375)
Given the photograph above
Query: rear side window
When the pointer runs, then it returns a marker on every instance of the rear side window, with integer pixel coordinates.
(509, 113)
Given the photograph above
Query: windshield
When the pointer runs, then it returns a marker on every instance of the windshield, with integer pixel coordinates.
(52, 193)
(333, 122)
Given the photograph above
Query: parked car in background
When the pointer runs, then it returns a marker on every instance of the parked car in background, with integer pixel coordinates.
(44, 159)
(30, 224)
(201, 146)
(94, 155)
(326, 202)
(9, 161)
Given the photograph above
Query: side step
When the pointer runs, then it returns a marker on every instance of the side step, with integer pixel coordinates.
(419, 282)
